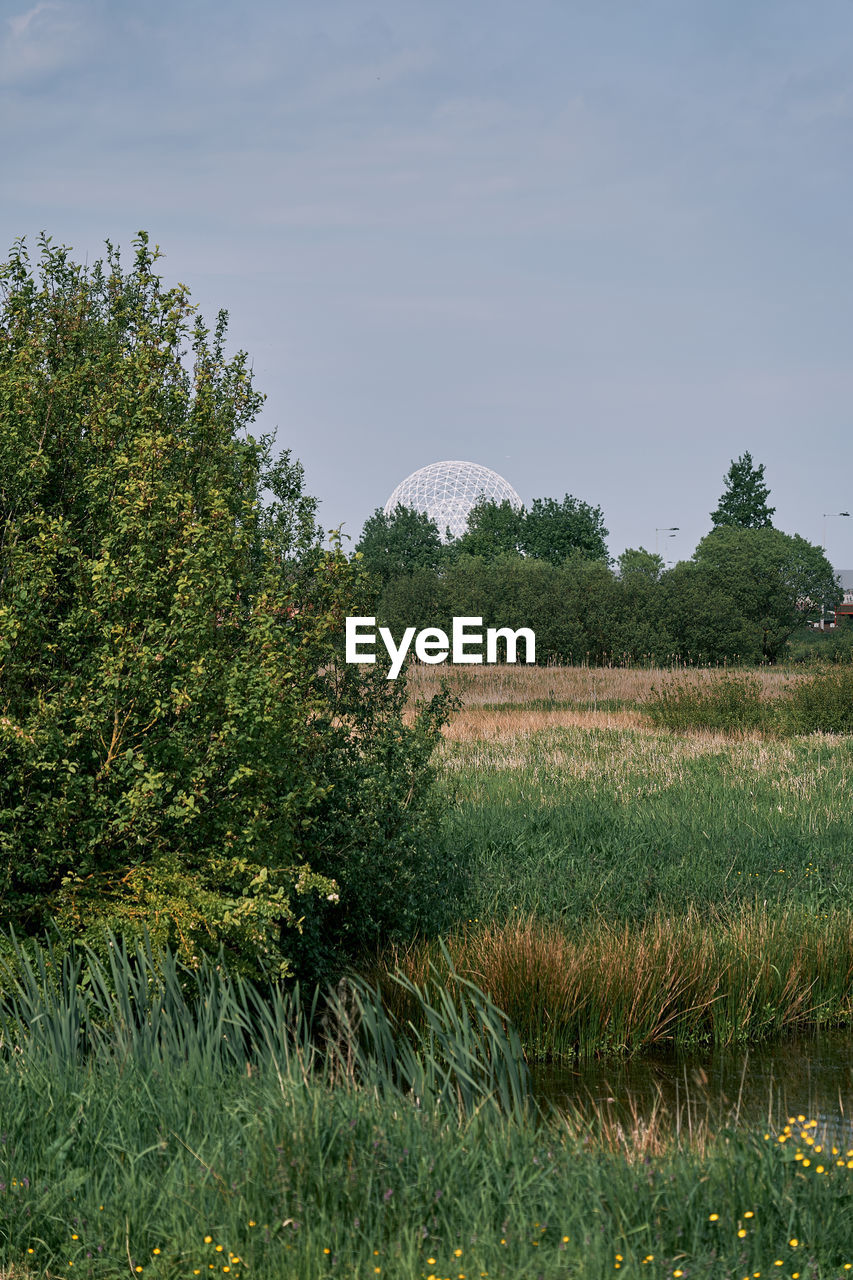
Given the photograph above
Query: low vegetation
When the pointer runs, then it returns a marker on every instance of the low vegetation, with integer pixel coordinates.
(632, 882)
(163, 1122)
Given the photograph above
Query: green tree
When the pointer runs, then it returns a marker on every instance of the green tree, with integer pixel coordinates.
(753, 588)
(637, 562)
(415, 599)
(556, 531)
(494, 529)
(177, 734)
(743, 504)
(399, 543)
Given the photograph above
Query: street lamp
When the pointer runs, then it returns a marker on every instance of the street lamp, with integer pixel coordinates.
(831, 515)
(671, 530)
(828, 515)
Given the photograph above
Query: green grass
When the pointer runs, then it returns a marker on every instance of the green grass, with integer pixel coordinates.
(160, 1123)
(575, 824)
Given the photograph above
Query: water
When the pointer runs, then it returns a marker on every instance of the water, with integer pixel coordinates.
(808, 1075)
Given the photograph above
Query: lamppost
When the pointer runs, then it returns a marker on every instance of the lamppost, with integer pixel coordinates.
(670, 531)
(828, 515)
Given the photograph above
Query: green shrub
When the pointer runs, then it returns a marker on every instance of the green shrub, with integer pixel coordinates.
(811, 645)
(731, 703)
(821, 703)
(179, 734)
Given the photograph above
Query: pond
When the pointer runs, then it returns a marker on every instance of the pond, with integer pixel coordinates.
(758, 1085)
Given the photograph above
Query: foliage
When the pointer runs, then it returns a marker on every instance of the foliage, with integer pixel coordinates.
(401, 543)
(822, 703)
(773, 581)
(637, 562)
(174, 744)
(377, 818)
(494, 529)
(557, 531)
(417, 599)
(731, 703)
(810, 644)
(744, 500)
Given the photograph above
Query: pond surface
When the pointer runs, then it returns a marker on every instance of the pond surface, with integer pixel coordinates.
(808, 1075)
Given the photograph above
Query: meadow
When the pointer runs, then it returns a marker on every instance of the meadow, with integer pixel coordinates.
(621, 885)
(628, 884)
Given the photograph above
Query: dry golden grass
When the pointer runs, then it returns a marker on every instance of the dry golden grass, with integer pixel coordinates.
(482, 724)
(478, 685)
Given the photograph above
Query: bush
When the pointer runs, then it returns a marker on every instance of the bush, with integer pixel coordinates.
(731, 703)
(811, 645)
(821, 703)
(179, 736)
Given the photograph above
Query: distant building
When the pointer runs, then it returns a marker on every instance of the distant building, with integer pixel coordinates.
(844, 611)
(446, 492)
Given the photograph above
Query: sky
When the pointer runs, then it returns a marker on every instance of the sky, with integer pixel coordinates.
(600, 247)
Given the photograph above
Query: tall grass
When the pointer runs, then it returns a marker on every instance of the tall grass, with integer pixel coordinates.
(64, 1006)
(583, 686)
(572, 825)
(131, 1145)
(605, 987)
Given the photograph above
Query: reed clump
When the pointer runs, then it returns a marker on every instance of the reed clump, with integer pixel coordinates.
(624, 987)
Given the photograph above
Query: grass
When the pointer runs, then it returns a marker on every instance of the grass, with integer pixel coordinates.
(524, 685)
(627, 884)
(605, 987)
(630, 884)
(163, 1123)
(571, 825)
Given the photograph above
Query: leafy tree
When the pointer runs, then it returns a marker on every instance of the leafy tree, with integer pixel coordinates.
(637, 562)
(178, 737)
(767, 583)
(494, 529)
(416, 599)
(400, 543)
(555, 531)
(744, 500)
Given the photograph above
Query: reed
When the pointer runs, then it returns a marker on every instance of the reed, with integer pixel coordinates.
(580, 686)
(65, 1007)
(621, 988)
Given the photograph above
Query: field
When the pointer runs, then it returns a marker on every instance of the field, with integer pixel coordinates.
(625, 884)
(620, 885)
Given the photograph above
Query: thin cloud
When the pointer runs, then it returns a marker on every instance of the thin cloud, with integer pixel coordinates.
(39, 42)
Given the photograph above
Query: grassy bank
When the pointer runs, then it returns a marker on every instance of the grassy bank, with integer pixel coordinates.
(171, 1127)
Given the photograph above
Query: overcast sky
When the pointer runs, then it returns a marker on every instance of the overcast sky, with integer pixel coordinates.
(599, 246)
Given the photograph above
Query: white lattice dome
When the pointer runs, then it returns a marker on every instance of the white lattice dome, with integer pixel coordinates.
(446, 492)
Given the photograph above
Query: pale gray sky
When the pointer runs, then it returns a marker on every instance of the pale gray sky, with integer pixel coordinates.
(601, 247)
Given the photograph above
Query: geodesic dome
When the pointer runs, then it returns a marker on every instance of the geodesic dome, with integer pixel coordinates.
(446, 492)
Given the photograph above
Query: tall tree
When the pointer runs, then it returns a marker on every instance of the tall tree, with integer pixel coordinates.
(743, 504)
(406, 540)
(772, 583)
(557, 531)
(494, 529)
(637, 562)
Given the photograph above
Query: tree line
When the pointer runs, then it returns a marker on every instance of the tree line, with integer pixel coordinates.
(745, 591)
